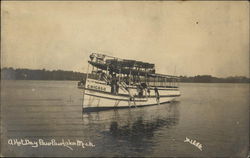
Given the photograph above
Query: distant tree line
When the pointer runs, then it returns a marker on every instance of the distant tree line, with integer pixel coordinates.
(211, 79)
(29, 74)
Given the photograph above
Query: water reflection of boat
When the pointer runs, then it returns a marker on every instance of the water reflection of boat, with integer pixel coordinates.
(135, 124)
(120, 83)
(144, 127)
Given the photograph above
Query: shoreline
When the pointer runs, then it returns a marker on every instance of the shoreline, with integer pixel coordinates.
(78, 80)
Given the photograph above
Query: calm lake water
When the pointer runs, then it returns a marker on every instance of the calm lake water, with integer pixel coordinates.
(215, 115)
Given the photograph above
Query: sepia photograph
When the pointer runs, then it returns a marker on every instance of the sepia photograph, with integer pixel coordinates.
(125, 79)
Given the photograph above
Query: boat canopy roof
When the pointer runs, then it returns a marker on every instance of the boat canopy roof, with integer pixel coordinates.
(118, 62)
(130, 63)
(122, 69)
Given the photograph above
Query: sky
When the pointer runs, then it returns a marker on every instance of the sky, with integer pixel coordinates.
(181, 38)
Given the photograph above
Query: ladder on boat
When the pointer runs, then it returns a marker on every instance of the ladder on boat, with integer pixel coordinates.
(105, 77)
(123, 86)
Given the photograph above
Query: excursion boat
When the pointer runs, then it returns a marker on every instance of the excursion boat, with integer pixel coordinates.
(121, 83)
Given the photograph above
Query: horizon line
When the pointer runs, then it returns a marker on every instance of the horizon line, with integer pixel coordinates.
(85, 72)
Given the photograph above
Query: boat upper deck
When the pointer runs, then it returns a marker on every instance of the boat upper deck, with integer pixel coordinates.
(123, 72)
(125, 66)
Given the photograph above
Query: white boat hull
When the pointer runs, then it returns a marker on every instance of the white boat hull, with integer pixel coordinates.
(99, 100)
(98, 95)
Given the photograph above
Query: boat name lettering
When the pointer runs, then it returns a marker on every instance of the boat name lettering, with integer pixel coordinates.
(96, 87)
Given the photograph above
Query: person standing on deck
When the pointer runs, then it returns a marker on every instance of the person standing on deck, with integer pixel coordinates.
(157, 95)
(113, 83)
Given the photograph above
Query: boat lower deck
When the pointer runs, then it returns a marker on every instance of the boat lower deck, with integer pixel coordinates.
(97, 99)
(96, 109)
